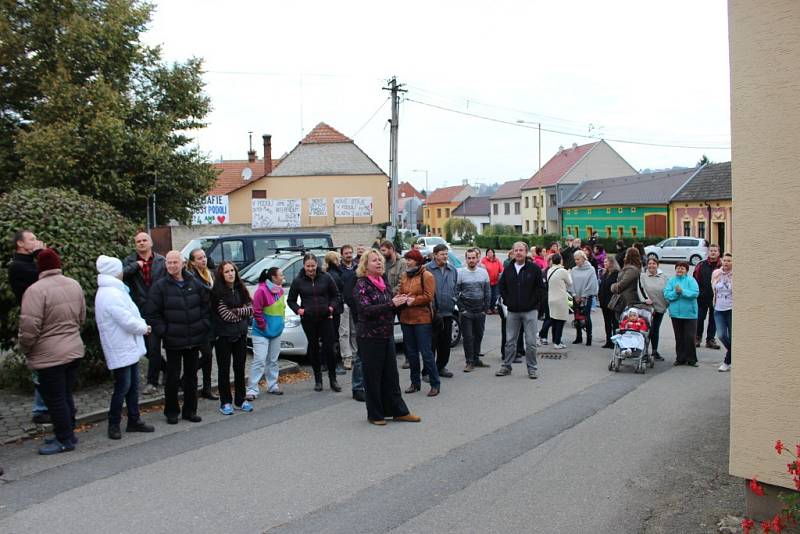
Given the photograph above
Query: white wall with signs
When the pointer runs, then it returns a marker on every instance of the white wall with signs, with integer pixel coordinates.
(213, 211)
(276, 213)
(352, 207)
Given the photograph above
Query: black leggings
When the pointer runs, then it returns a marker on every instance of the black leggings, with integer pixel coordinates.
(610, 322)
(226, 350)
(316, 330)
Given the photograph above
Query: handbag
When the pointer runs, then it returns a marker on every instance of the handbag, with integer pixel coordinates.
(616, 304)
(436, 320)
(643, 296)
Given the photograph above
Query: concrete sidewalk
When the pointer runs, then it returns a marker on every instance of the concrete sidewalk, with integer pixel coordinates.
(92, 403)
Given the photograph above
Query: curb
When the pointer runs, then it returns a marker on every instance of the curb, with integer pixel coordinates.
(286, 367)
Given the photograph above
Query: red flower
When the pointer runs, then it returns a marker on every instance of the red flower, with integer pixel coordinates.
(747, 524)
(755, 487)
(766, 526)
(779, 446)
(777, 524)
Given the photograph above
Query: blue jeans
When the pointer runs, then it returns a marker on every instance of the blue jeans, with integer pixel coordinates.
(358, 371)
(126, 388)
(39, 407)
(495, 295)
(265, 363)
(418, 338)
(724, 320)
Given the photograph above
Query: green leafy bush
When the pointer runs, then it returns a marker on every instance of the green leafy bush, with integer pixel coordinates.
(79, 228)
(486, 241)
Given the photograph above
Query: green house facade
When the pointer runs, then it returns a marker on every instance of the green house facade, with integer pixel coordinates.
(618, 222)
(623, 207)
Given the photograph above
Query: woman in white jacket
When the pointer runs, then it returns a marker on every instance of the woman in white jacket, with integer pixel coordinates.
(121, 329)
(559, 282)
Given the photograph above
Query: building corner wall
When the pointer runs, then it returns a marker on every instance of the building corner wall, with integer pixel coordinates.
(765, 111)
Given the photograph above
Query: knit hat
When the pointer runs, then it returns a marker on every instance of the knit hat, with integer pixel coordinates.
(108, 265)
(415, 255)
(47, 260)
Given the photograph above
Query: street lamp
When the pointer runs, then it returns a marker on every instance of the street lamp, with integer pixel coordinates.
(426, 178)
(539, 124)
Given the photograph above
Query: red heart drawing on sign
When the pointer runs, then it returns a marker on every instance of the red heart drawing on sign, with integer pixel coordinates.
(221, 218)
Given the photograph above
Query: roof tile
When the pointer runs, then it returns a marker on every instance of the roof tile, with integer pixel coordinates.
(558, 165)
(445, 194)
(230, 174)
(322, 133)
(509, 189)
(713, 182)
(639, 189)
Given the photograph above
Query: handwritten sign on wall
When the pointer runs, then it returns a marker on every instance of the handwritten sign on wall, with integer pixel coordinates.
(352, 206)
(276, 213)
(213, 211)
(318, 207)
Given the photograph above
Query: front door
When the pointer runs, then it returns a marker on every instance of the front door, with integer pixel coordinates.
(719, 232)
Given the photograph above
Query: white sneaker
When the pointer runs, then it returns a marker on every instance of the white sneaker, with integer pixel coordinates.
(542, 341)
(724, 368)
(560, 346)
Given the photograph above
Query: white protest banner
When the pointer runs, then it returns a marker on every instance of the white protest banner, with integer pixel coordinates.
(318, 207)
(352, 206)
(213, 211)
(276, 213)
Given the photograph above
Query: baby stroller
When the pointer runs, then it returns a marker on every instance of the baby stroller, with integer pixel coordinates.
(633, 344)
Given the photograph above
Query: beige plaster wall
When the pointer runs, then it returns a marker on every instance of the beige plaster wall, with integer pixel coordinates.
(305, 187)
(601, 162)
(765, 113)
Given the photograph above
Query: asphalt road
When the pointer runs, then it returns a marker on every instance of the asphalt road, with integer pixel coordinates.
(578, 450)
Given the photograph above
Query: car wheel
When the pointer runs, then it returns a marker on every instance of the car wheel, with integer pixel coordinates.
(694, 260)
(455, 336)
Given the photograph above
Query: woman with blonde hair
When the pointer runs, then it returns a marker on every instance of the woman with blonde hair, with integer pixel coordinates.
(376, 308)
(197, 264)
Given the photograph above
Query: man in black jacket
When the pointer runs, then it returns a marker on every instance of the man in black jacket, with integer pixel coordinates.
(140, 271)
(521, 288)
(22, 273)
(705, 301)
(177, 309)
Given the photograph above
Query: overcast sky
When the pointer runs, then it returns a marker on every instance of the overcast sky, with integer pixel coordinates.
(651, 72)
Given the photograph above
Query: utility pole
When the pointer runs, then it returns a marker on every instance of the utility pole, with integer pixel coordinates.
(395, 89)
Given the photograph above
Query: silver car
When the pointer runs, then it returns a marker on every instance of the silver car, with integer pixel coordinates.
(691, 249)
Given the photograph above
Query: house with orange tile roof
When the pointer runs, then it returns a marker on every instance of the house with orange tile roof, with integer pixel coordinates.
(441, 203)
(542, 195)
(325, 180)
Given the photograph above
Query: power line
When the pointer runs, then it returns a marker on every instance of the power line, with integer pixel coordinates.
(371, 116)
(502, 121)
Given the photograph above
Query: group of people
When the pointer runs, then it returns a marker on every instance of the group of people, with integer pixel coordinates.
(348, 303)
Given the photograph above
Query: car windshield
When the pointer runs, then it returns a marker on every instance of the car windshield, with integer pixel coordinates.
(433, 241)
(200, 242)
(454, 261)
(251, 273)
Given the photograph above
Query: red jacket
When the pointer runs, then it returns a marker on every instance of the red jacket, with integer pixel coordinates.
(494, 268)
(638, 324)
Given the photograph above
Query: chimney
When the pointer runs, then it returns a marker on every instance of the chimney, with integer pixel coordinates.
(574, 146)
(251, 154)
(267, 153)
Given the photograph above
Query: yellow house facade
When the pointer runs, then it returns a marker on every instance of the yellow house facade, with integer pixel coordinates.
(765, 110)
(318, 187)
(440, 205)
(334, 181)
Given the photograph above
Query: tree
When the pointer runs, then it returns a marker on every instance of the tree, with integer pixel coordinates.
(704, 161)
(87, 106)
(50, 214)
(461, 227)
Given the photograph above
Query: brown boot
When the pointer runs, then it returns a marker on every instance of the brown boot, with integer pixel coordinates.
(712, 343)
(408, 418)
(469, 368)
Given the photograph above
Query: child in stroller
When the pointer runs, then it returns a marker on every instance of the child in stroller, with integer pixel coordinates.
(632, 338)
